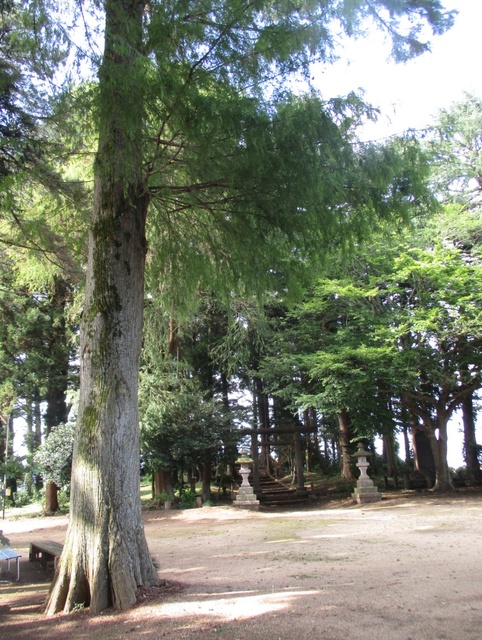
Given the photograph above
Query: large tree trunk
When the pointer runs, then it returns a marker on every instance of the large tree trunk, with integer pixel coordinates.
(390, 457)
(347, 449)
(163, 483)
(438, 443)
(51, 498)
(424, 461)
(443, 479)
(105, 556)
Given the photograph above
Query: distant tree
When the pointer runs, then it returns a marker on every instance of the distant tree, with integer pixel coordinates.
(440, 342)
(397, 324)
(456, 146)
(54, 457)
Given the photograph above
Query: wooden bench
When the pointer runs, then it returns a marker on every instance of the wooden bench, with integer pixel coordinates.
(45, 551)
(9, 554)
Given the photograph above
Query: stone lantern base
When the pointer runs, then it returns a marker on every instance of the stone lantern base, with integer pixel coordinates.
(246, 497)
(362, 495)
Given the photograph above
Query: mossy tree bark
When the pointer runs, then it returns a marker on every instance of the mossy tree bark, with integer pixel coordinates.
(105, 555)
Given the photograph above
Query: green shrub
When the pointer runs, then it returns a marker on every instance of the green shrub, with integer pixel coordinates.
(23, 498)
(162, 497)
(187, 499)
(63, 498)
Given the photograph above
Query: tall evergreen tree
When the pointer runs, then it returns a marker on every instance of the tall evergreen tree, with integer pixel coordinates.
(196, 127)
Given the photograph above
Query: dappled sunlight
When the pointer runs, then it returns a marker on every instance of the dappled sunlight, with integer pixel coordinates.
(27, 524)
(287, 541)
(7, 587)
(176, 571)
(234, 607)
(242, 554)
(338, 535)
(230, 594)
(207, 514)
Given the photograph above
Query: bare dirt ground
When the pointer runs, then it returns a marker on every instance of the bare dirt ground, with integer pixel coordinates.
(404, 568)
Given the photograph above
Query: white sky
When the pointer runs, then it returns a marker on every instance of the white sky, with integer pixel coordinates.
(410, 94)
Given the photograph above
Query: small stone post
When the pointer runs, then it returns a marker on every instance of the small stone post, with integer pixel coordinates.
(246, 497)
(365, 489)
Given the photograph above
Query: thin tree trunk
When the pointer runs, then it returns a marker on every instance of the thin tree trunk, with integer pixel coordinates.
(264, 422)
(37, 415)
(406, 444)
(11, 482)
(390, 457)
(300, 476)
(306, 422)
(105, 555)
(206, 479)
(30, 444)
(470, 442)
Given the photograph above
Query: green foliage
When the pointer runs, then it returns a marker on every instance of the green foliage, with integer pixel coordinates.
(13, 467)
(187, 499)
(32, 145)
(178, 421)
(162, 497)
(235, 159)
(400, 317)
(63, 497)
(36, 348)
(289, 180)
(23, 498)
(54, 456)
(456, 146)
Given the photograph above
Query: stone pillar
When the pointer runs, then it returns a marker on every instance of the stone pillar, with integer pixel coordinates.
(246, 497)
(365, 490)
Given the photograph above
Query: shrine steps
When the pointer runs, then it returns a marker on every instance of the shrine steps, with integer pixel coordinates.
(275, 493)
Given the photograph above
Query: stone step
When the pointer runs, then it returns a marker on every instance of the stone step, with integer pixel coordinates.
(273, 492)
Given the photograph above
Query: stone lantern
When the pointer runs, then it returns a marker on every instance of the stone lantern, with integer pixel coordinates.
(365, 490)
(246, 497)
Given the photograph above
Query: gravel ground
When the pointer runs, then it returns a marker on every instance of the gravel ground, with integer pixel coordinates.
(404, 568)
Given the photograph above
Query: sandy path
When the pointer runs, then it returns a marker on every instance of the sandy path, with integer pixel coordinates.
(394, 570)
